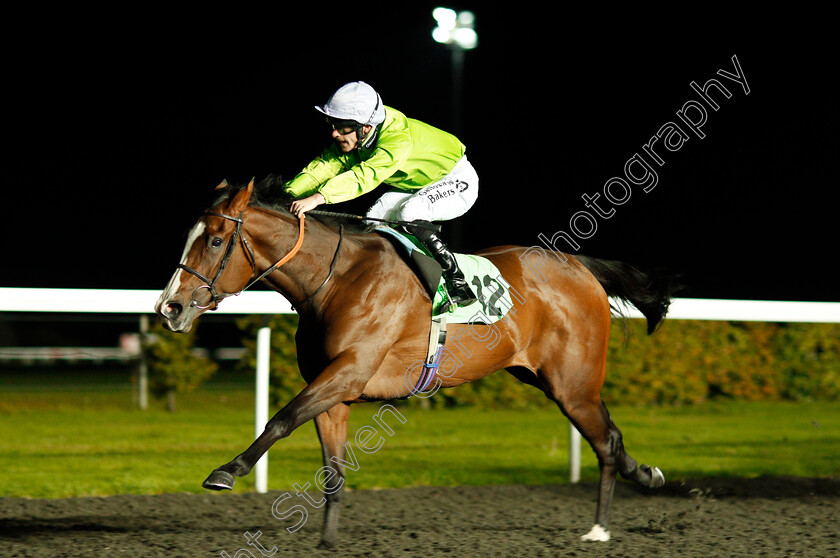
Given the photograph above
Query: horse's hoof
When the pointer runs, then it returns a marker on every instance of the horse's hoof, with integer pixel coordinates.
(657, 479)
(597, 533)
(219, 480)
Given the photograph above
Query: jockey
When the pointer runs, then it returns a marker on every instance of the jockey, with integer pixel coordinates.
(428, 175)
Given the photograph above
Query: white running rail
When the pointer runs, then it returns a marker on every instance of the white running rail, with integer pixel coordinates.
(106, 301)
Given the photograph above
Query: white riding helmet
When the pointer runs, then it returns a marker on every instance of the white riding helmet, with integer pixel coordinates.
(356, 102)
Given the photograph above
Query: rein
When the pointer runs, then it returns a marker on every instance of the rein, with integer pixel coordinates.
(210, 285)
(332, 268)
(395, 223)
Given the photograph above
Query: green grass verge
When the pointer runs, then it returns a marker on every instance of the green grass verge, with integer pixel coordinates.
(93, 442)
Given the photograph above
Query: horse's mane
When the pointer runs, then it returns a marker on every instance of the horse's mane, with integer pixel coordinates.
(269, 194)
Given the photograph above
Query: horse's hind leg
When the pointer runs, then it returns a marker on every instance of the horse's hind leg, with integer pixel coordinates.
(643, 474)
(591, 418)
(332, 431)
(592, 421)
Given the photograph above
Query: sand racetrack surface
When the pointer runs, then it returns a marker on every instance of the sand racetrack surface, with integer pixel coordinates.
(713, 517)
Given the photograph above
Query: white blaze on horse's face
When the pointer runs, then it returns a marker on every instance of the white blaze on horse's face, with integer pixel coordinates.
(162, 307)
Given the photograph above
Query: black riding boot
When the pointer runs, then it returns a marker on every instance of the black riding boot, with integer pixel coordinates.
(459, 291)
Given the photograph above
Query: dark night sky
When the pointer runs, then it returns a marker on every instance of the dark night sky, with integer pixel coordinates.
(119, 135)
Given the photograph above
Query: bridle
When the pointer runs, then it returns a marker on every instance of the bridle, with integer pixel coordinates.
(210, 285)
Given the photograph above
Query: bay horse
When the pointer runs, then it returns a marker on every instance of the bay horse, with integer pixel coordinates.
(364, 319)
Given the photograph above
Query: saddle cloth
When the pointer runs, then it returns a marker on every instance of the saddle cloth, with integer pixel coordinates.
(494, 300)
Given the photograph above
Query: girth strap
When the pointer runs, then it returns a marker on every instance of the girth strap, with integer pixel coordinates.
(437, 340)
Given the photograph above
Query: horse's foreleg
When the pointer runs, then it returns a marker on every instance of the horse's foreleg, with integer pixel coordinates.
(332, 431)
(341, 381)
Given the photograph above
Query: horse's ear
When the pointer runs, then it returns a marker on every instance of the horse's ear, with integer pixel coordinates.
(222, 185)
(241, 199)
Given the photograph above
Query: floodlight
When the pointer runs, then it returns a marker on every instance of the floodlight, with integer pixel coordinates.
(455, 28)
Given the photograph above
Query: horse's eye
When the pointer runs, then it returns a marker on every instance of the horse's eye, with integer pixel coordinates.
(216, 242)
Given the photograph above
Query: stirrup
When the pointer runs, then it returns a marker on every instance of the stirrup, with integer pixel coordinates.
(460, 300)
(459, 292)
(457, 288)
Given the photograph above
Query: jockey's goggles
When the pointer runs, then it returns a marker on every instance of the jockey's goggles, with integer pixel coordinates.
(343, 127)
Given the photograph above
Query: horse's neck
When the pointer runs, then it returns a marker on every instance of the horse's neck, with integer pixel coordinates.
(275, 235)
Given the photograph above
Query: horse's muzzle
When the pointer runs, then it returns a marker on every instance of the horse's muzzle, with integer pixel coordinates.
(175, 316)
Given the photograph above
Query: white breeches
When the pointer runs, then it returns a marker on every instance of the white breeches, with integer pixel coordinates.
(443, 200)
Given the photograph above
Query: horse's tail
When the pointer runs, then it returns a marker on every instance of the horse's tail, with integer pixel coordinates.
(649, 291)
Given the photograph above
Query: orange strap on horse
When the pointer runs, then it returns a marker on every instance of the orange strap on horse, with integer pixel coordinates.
(295, 248)
(284, 259)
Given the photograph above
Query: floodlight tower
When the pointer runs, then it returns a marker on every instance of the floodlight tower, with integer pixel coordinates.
(457, 30)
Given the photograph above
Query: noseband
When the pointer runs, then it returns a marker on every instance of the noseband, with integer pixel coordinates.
(210, 285)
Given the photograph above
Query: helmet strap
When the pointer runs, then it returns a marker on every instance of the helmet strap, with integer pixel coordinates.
(368, 140)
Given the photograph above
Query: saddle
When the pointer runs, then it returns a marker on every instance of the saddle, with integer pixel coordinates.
(492, 291)
(483, 276)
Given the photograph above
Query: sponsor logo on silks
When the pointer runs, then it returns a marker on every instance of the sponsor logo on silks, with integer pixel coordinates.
(443, 192)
